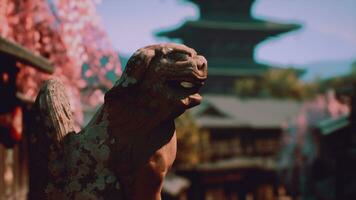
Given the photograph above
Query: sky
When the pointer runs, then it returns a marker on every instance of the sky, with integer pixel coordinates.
(328, 33)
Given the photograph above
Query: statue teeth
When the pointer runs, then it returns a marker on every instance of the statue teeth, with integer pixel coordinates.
(186, 84)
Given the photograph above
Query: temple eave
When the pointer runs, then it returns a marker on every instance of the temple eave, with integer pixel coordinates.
(245, 25)
(268, 29)
(244, 68)
(233, 72)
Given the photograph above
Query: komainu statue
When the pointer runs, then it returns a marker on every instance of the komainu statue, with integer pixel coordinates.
(128, 146)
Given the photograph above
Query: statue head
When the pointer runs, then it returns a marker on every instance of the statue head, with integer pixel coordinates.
(163, 75)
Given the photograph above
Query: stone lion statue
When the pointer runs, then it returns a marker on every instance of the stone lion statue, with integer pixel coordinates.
(127, 148)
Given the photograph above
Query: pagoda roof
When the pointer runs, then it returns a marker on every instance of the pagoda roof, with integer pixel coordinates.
(243, 25)
(236, 26)
(247, 72)
(238, 67)
(236, 72)
(21, 54)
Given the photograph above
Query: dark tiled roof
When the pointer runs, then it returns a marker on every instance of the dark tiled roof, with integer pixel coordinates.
(252, 25)
(244, 113)
(270, 28)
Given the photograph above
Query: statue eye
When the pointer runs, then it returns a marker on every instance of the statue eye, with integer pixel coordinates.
(177, 56)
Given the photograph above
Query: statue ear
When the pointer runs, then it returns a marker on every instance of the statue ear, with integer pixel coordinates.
(136, 67)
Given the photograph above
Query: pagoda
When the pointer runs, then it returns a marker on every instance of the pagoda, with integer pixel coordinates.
(226, 34)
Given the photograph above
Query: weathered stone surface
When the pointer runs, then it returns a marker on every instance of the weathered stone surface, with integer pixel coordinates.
(129, 145)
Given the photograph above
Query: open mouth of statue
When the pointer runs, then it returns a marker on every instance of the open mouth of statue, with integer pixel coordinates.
(185, 86)
(187, 90)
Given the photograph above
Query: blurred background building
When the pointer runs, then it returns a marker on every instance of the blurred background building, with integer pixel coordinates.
(245, 151)
(238, 158)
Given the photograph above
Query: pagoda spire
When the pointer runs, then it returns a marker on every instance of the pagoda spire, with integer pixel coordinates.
(227, 10)
(226, 34)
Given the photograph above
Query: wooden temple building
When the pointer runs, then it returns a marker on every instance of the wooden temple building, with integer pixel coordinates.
(241, 136)
(239, 147)
(14, 116)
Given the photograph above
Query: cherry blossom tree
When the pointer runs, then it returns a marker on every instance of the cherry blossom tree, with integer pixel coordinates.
(70, 35)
